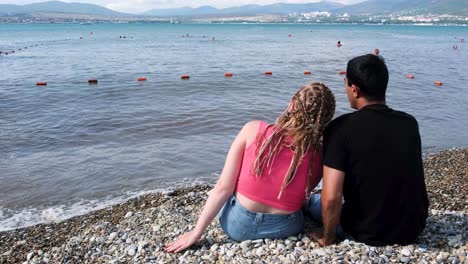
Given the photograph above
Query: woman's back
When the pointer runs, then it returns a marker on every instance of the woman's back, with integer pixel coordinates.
(263, 193)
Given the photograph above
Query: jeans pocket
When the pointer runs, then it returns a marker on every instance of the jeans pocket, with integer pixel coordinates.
(293, 225)
(234, 224)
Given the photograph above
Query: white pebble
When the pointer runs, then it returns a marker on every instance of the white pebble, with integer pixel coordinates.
(245, 244)
(129, 214)
(214, 247)
(131, 250)
(405, 252)
(113, 235)
(259, 251)
(29, 256)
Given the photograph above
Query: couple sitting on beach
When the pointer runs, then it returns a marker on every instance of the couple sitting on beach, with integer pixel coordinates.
(373, 187)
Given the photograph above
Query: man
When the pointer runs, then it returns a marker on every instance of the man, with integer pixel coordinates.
(372, 158)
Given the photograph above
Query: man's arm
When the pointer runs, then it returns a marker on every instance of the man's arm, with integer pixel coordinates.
(332, 193)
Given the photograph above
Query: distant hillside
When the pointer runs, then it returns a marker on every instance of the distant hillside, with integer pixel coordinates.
(59, 7)
(247, 9)
(183, 11)
(369, 7)
(456, 7)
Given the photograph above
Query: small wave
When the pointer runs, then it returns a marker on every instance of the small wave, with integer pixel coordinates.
(10, 219)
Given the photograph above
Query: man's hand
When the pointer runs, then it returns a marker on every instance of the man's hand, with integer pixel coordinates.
(318, 236)
(183, 242)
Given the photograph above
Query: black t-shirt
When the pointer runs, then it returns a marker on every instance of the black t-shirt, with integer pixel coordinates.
(385, 198)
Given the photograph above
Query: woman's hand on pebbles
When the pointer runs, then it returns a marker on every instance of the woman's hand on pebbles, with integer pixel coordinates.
(183, 242)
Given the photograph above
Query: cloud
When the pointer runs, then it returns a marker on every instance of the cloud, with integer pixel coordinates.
(138, 6)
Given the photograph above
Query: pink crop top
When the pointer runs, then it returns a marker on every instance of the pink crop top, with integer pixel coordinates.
(266, 188)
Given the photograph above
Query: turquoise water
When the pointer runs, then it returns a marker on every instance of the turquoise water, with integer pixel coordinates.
(69, 147)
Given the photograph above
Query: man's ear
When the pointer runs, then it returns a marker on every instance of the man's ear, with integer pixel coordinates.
(356, 91)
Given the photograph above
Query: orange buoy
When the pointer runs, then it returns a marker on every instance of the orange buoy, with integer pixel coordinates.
(307, 72)
(184, 77)
(438, 83)
(41, 83)
(92, 81)
(268, 73)
(142, 79)
(228, 74)
(342, 72)
(409, 76)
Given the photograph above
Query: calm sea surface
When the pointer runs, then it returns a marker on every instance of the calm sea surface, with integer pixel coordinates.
(69, 147)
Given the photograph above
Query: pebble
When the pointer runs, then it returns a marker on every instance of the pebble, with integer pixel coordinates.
(129, 214)
(214, 247)
(167, 193)
(29, 256)
(131, 250)
(405, 252)
(383, 259)
(245, 244)
(442, 256)
(405, 259)
(113, 235)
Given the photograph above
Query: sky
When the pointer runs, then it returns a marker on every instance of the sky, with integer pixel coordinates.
(137, 6)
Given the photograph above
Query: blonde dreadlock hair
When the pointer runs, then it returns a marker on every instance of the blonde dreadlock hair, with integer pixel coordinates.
(299, 127)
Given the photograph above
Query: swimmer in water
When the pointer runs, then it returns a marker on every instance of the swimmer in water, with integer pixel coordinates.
(338, 44)
(377, 53)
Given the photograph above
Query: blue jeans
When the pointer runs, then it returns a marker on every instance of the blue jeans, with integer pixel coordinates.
(315, 211)
(241, 224)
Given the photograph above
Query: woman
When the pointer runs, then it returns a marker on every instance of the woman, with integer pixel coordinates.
(269, 170)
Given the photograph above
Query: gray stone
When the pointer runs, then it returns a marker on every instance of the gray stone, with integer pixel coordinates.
(259, 251)
(142, 245)
(405, 252)
(320, 252)
(231, 252)
(168, 193)
(405, 259)
(383, 259)
(245, 244)
(442, 256)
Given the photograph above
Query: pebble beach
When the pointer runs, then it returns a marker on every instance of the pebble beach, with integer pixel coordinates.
(136, 231)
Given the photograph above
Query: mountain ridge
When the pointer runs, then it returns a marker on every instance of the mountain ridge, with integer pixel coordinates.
(59, 7)
(369, 7)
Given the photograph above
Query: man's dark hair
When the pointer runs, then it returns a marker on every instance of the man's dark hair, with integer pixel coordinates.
(370, 74)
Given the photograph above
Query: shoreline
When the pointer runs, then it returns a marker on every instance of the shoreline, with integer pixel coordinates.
(136, 230)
